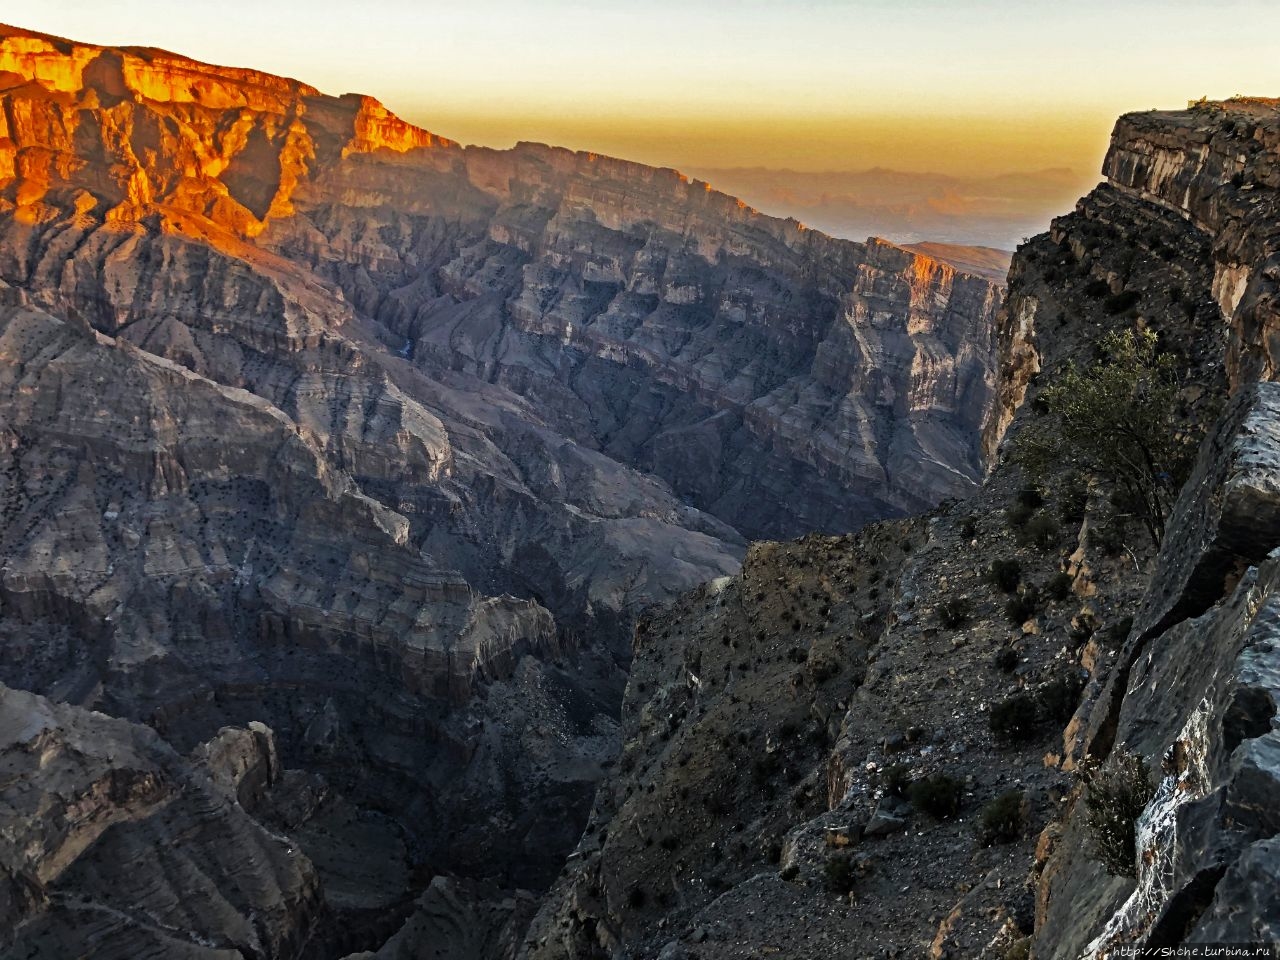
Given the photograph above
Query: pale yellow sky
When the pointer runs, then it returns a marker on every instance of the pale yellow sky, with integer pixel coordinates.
(954, 86)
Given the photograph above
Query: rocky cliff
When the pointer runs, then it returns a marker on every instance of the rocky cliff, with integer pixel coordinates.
(315, 420)
(892, 744)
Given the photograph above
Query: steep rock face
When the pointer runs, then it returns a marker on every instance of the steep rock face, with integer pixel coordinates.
(1217, 166)
(1197, 693)
(178, 554)
(637, 310)
(116, 847)
(315, 419)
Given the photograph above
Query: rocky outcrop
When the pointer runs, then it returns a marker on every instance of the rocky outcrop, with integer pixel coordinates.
(1196, 698)
(1215, 165)
(459, 920)
(344, 457)
(177, 553)
(114, 846)
(635, 310)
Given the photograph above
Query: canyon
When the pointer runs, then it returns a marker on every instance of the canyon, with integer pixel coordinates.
(788, 731)
(399, 553)
(339, 462)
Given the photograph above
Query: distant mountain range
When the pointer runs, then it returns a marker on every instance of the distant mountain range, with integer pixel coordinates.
(907, 207)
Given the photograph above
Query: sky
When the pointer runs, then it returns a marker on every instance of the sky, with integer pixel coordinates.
(952, 86)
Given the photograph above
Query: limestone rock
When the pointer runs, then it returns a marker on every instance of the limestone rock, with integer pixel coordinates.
(315, 419)
(115, 847)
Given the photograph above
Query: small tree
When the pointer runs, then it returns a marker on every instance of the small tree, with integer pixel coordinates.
(1003, 819)
(1118, 422)
(1115, 796)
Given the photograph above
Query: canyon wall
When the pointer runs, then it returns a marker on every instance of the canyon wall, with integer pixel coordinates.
(313, 419)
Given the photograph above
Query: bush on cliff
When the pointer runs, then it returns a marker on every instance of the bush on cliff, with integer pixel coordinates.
(939, 795)
(1014, 718)
(1117, 421)
(1005, 575)
(1115, 795)
(1003, 819)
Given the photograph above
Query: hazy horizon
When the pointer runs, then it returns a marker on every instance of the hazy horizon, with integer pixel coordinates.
(823, 87)
(917, 86)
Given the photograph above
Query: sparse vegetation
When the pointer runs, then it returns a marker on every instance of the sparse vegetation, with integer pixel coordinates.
(955, 612)
(1014, 718)
(1115, 796)
(1073, 498)
(1117, 421)
(1022, 606)
(1031, 497)
(1040, 530)
(1059, 587)
(938, 795)
(1003, 819)
(1108, 534)
(1019, 515)
(1005, 575)
(1059, 698)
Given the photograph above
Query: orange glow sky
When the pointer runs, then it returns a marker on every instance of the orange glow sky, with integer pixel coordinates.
(986, 86)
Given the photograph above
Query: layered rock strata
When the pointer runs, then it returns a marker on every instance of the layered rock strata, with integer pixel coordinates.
(314, 419)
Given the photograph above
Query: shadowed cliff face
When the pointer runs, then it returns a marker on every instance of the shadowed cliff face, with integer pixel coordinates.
(312, 417)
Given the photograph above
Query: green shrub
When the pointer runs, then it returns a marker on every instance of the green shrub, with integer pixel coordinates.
(1041, 530)
(1108, 534)
(1073, 498)
(1003, 819)
(1014, 718)
(1115, 796)
(1018, 516)
(1022, 606)
(839, 873)
(1005, 575)
(955, 612)
(938, 795)
(1059, 698)
(1118, 422)
(1059, 587)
